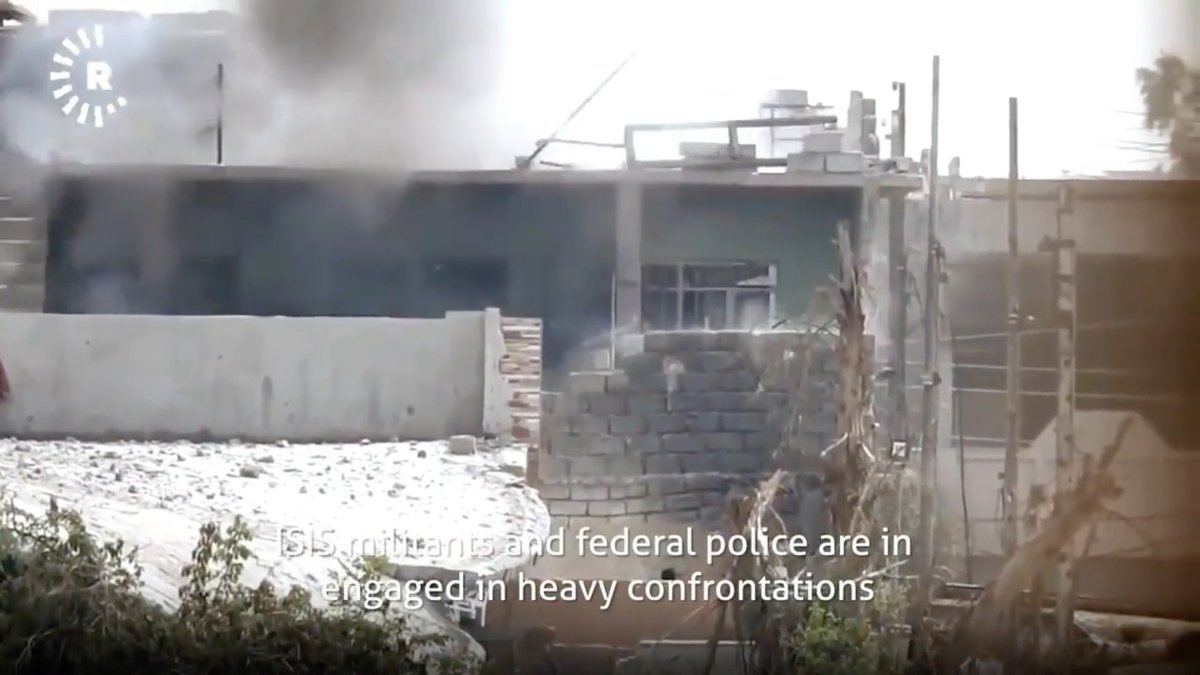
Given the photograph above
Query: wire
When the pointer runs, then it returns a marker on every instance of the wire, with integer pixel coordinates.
(542, 144)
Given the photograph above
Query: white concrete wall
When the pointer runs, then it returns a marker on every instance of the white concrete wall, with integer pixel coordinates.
(301, 379)
(1153, 517)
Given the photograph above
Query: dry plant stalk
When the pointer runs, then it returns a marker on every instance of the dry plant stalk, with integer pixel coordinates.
(847, 472)
(984, 627)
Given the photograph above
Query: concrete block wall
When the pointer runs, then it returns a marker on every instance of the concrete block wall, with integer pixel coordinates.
(674, 430)
(118, 377)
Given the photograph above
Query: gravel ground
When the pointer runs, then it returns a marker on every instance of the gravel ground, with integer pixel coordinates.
(415, 502)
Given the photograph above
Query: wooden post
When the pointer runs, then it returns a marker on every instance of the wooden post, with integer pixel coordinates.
(1064, 446)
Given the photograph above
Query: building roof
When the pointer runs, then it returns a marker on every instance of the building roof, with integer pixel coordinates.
(886, 182)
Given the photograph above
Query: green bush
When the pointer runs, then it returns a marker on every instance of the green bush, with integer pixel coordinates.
(827, 644)
(70, 605)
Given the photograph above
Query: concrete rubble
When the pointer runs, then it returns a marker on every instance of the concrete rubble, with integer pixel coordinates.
(156, 496)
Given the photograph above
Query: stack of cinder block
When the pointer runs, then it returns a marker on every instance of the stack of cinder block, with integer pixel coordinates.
(675, 429)
(834, 151)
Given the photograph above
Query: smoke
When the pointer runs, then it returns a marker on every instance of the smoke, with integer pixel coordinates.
(396, 83)
(401, 84)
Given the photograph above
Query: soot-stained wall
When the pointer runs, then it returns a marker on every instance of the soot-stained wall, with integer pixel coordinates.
(339, 246)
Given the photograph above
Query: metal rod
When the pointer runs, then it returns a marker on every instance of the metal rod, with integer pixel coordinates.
(542, 144)
(758, 123)
(1013, 405)
(929, 402)
(1064, 446)
(898, 287)
(220, 113)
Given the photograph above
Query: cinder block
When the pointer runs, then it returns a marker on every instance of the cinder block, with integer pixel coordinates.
(687, 403)
(583, 424)
(761, 441)
(732, 340)
(627, 491)
(588, 467)
(641, 404)
(823, 141)
(691, 341)
(627, 425)
(683, 502)
(697, 382)
(743, 421)
(645, 362)
(663, 464)
(718, 361)
(703, 422)
(648, 382)
(644, 505)
(606, 508)
(702, 482)
(707, 462)
(662, 485)
(740, 380)
(606, 404)
(667, 423)
(726, 402)
(644, 444)
(625, 466)
(682, 443)
(657, 342)
(743, 462)
(606, 445)
(553, 468)
(583, 493)
(845, 162)
(806, 162)
(723, 442)
(587, 382)
(616, 383)
(567, 508)
(551, 491)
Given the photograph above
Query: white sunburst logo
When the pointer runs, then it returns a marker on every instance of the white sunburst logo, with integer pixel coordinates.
(97, 101)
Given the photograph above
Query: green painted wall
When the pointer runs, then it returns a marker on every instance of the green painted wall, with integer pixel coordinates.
(793, 229)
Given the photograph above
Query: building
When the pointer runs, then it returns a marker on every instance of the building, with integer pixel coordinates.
(713, 249)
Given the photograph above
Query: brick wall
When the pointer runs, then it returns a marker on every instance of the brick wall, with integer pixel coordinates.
(521, 368)
(669, 435)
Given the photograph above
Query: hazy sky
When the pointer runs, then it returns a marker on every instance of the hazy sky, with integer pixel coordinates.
(1070, 62)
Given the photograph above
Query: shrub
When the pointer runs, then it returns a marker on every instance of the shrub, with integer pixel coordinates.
(71, 605)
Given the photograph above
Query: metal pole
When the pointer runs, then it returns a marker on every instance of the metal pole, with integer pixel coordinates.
(1013, 435)
(898, 311)
(220, 113)
(929, 403)
(1064, 447)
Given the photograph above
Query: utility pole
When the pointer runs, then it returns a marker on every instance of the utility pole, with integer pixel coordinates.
(931, 379)
(1013, 399)
(898, 314)
(1064, 446)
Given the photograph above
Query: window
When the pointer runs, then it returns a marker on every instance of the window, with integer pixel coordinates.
(707, 295)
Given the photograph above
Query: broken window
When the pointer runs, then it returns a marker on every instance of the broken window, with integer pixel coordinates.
(707, 295)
